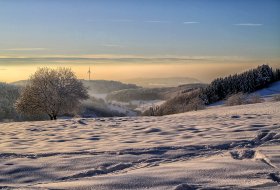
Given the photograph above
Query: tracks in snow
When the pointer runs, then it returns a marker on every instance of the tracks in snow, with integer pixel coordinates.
(154, 156)
(150, 157)
(158, 155)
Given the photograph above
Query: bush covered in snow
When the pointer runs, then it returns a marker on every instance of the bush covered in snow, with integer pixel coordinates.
(255, 98)
(276, 97)
(236, 99)
(241, 98)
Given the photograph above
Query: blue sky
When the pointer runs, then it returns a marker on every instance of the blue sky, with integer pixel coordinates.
(147, 27)
(184, 29)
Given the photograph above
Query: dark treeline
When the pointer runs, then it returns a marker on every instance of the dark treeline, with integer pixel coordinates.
(245, 82)
(8, 96)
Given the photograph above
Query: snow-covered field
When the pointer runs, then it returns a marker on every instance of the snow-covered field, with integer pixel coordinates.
(226, 147)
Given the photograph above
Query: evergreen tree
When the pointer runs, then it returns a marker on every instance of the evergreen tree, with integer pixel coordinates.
(245, 82)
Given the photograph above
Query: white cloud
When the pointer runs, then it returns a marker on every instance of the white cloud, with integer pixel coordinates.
(111, 20)
(191, 22)
(24, 49)
(156, 21)
(128, 56)
(248, 24)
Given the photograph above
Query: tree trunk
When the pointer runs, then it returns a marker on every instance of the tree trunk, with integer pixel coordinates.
(54, 117)
(51, 117)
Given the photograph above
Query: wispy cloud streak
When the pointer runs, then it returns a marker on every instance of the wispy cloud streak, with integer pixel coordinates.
(23, 49)
(156, 21)
(120, 57)
(248, 24)
(111, 20)
(191, 22)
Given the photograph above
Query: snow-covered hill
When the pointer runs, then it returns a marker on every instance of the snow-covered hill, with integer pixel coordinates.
(225, 147)
(271, 90)
(266, 93)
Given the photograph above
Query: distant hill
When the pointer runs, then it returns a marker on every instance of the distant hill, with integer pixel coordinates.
(96, 86)
(181, 89)
(20, 83)
(162, 82)
(106, 86)
(128, 95)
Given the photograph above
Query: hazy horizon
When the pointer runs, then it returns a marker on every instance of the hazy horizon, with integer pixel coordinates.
(204, 72)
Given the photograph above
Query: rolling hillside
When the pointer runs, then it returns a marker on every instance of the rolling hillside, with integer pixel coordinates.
(221, 148)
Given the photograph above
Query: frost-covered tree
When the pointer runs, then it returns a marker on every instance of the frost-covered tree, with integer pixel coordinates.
(53, 92)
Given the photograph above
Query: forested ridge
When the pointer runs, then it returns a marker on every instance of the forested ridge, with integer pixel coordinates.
(246, 82)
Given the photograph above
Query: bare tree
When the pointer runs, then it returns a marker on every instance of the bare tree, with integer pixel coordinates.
(53, 92)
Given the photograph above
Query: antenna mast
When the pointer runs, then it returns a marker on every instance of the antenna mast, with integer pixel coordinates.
(89, 73)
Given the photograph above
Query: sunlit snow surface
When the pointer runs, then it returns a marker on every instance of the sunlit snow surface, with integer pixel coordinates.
(222, 147)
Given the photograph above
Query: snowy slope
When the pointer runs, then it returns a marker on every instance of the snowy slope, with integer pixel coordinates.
(232, 148)
(265, 93)
(270, 90)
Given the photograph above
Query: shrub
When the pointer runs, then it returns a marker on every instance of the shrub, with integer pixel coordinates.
(195, 104)
(276, 97)
(255, 98)
(152, 111)
(236, 99)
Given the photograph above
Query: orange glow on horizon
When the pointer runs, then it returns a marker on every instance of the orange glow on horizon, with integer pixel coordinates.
(122, 72)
